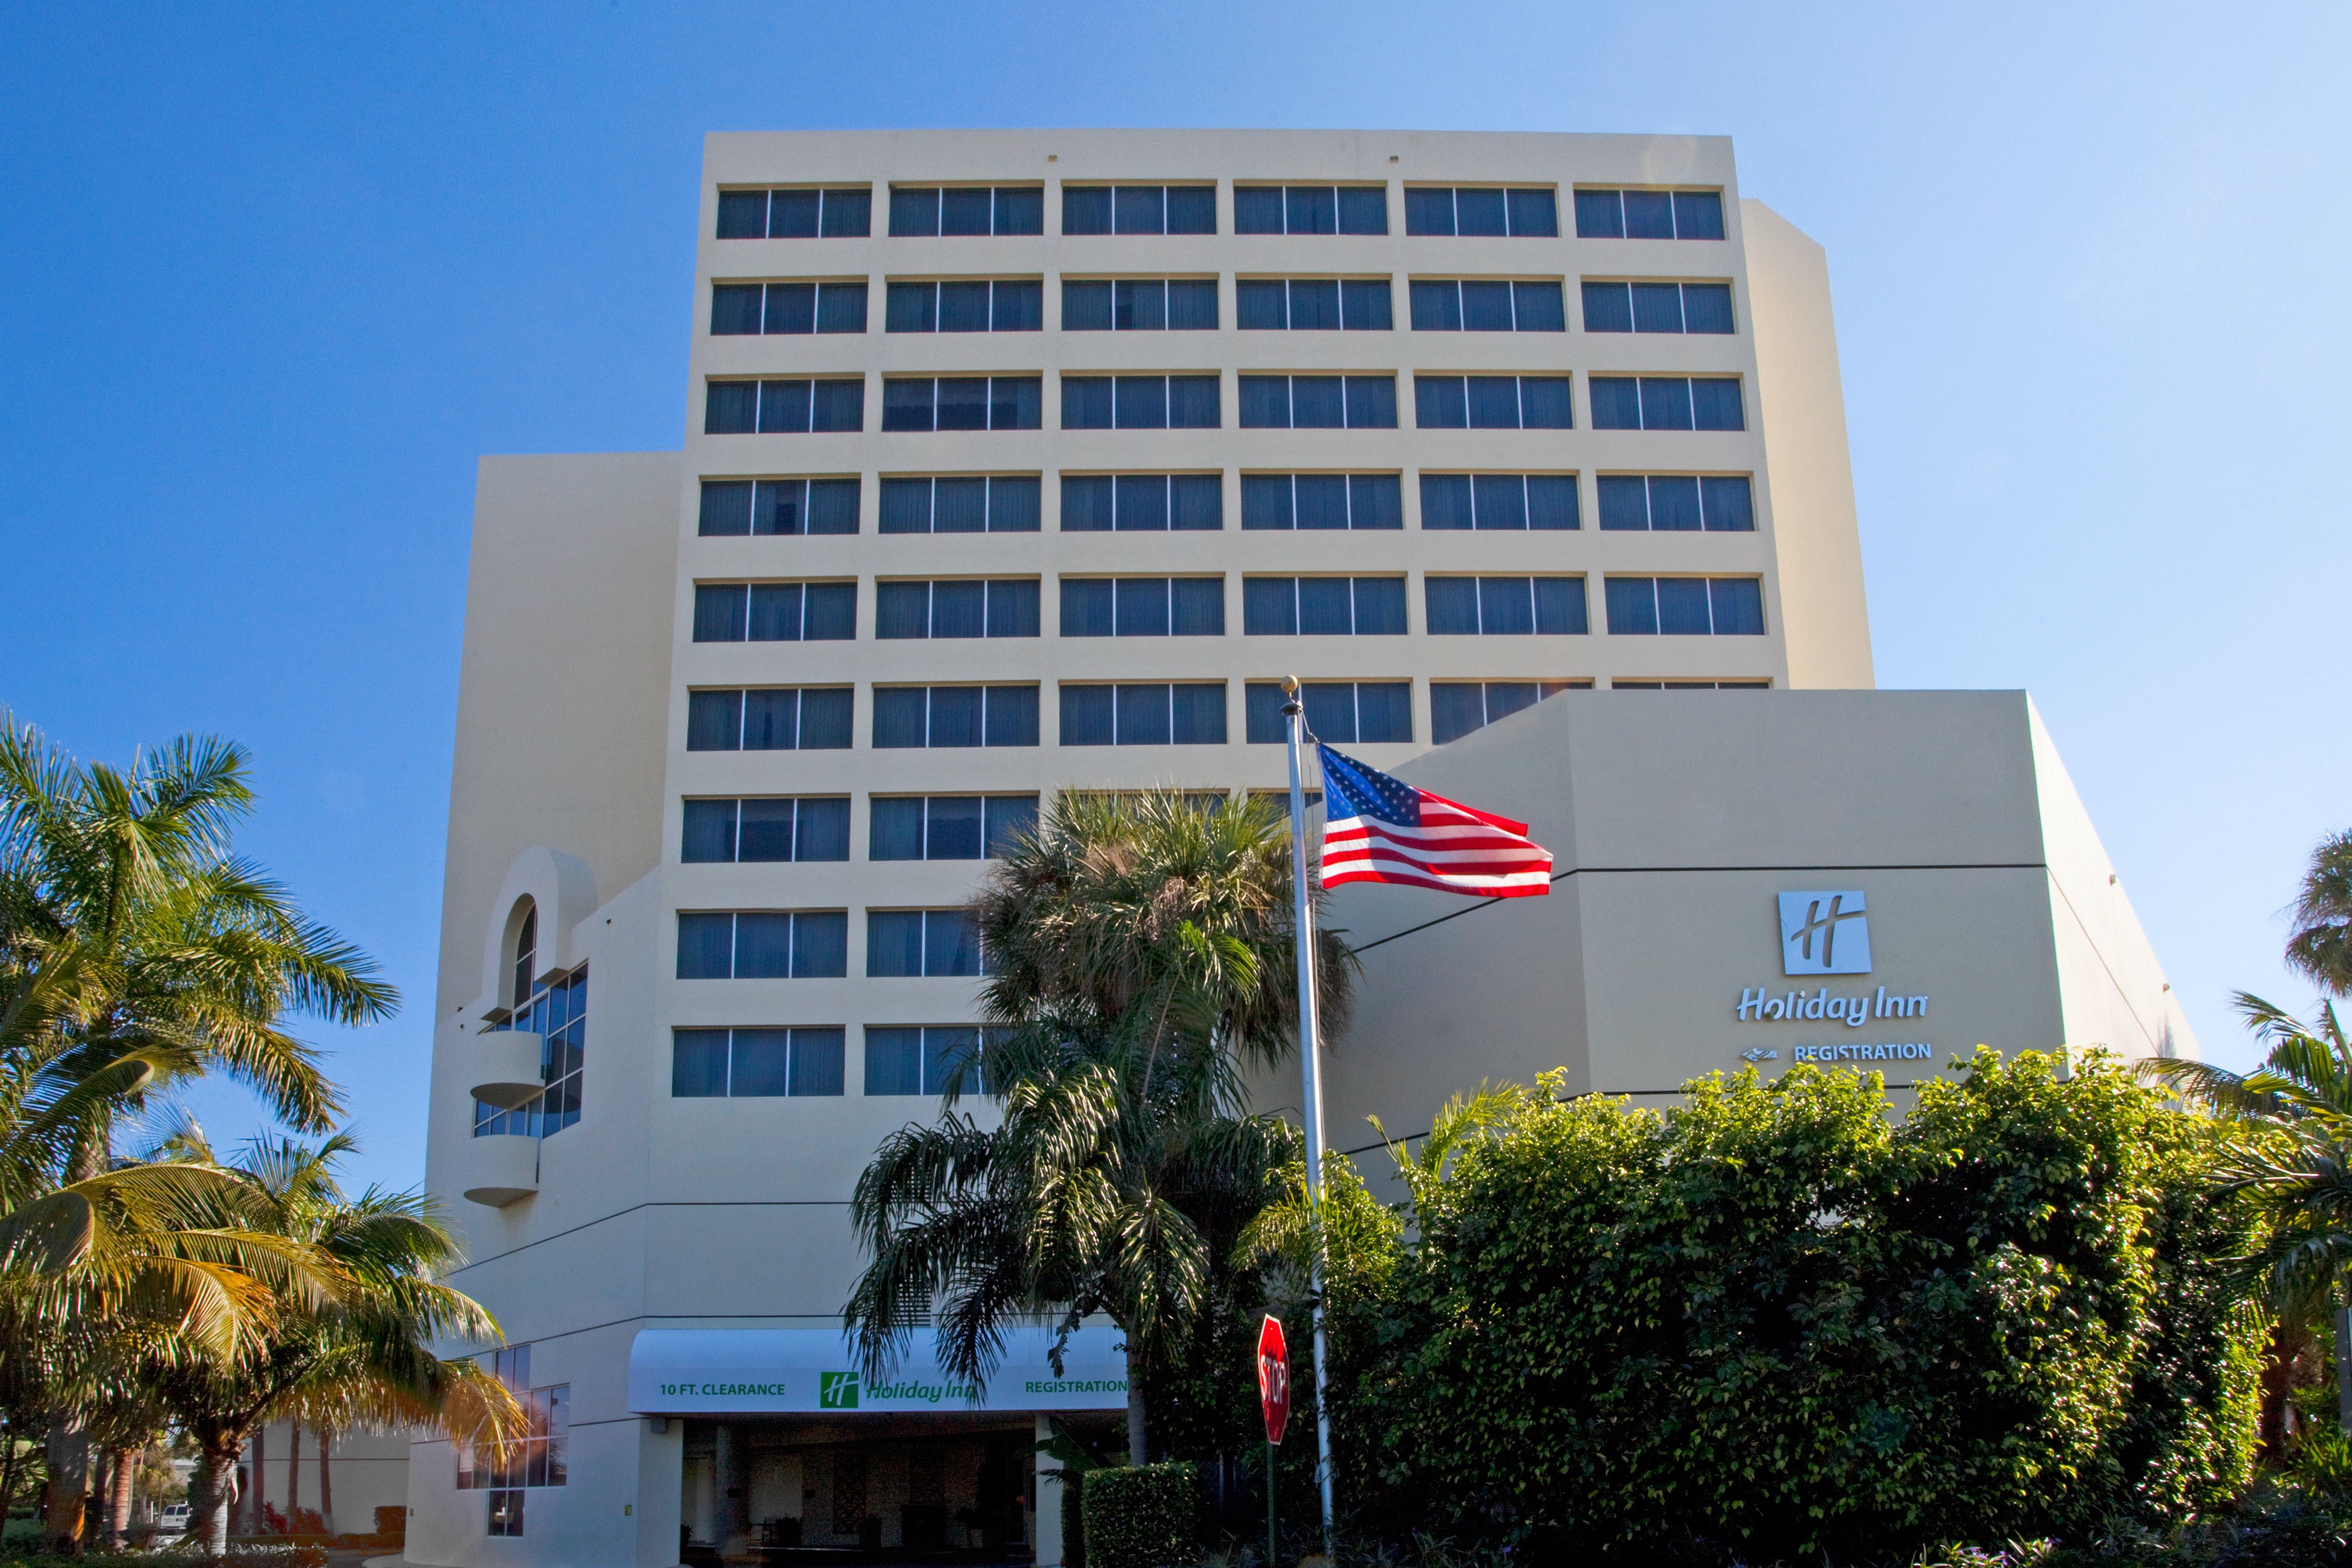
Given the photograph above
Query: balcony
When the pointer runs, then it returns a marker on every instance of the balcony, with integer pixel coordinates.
(506, 1067)
(500, 1169)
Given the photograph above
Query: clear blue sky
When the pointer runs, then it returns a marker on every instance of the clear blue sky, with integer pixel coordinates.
(271, 276)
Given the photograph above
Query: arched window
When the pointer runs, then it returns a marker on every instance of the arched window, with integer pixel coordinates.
(526, 952)
(556, 1007)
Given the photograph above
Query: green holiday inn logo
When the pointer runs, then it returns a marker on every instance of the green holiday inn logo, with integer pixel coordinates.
(837, 1391)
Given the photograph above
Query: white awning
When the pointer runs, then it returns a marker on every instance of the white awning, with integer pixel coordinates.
(676, 1371)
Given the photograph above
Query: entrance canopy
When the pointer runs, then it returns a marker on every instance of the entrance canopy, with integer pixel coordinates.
(689, 1372)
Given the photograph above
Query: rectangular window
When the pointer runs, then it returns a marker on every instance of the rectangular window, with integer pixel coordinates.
(910, 1060)
(790, 407)
(745, 507)
(927, 943)
(1143, 607)
(961, 402)
(769, 718)
(956, 607)
(925, 211)
(1690, 685)
(1310, 209)
(947, 827)
(1657, 307)
(1518, 211)
(797, 213)
(766, 827)
(1139, 209)
(1505, 606)
(911, 717)
(961, 504)
(1341, 712)
(745, 309)
(1649, 215)
(1323, 606)
(1498, 501)
(1486, 305)
(1142, 503)
(1666, 402)
(1685, 606)
(966, 305)
(1678, 503)
(1140, 403)
(1149, 713)
(1139, 305)
(1491, 403)
(556, 1009)
(755, 1063)
(1318, 402)
(1312, 304)
(776, 611)
(1457, 708)
(1283, 501)
(763, 944)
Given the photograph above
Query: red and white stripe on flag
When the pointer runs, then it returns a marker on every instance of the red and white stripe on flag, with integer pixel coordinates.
(1379, 828)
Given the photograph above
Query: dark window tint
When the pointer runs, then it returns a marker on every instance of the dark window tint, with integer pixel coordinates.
(1685, 606)
(1132, 305)
(1498, 501)
(1657, 307)
(762, 946)
(966, 305)
(769, 718)
(1143, 607)
(1310, 209)
(1313, 501)
(1323, 606)
(921, 210)
(906, 943)
(929, 1061)
(735, 408)
(1139, 209)
(1666, 402)
(948, 827)
(1505, 606)
(1491, 403)
(940, 716)
(1458, 707)
(1649, 215)
(1678, 503)
(1143, 713)
(799, 213)
(1142, 503)
(1476, 305)
(1318, 402)
(748, 1063)
(1140, 403)
(956, 607)
(1341, 712)
(1313, 304)
(776, 506)
(774, 612)
(1519, 211)
(742, 308)
(961, 402)
(961, 504)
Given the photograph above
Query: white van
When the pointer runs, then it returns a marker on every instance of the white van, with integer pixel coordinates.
(173, 1519)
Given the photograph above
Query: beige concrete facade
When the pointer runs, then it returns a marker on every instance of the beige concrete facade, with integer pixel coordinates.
(654, 1211)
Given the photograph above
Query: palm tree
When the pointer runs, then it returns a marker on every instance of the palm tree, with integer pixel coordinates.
(1141, 953)
(2298, 1161)
(2321, 945)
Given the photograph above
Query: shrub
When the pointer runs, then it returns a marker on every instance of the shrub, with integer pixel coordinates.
(392, 1520)
(1142, 1516)
(1074, 1517)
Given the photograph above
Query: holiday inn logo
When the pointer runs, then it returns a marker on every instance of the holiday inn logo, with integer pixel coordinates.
(836, 1390)
(1825, 934)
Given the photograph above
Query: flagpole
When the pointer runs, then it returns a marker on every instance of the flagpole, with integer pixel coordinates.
(1303, 929)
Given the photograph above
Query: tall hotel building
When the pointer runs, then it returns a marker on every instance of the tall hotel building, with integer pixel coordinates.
(1015, 462)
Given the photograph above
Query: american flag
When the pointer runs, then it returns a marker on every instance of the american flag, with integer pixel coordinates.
(1378, 829)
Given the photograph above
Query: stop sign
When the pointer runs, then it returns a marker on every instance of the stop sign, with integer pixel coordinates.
(1273, 1378)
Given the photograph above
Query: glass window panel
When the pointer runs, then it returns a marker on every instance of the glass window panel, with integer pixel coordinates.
(1322, 500)
(958, 506)
(963, 307)
(1008, 818)
(1502, 501)
(709, 831)
(1625, 503)
(1020, 209)
(1445, 501)
(793, 214)
(1452, 605)
(730, 408)
(697, 1063)
(1538, 307)
(1649, 215)
(1139, 305)
(915, 211)
(1364, 305)
(817, 1060)
(1480, 211)
(1142, 503)
(967, 210)
(847, 214)
(1086, 505)
(1318, 402)
(894, 829)
(1086, 308)
(1729, 504)
(764, 946)
(1269, 607)
(1265, 402)
(1324, 607)
(1191, 209)
(1330, 709)
(1698, 214)
(779, 506)
(775, 612)
(1706, 306)
(1437, 306)
(841, 308)
(1261, 304)
(963, 403)
(1383, 711)
(1142, 403)
(771, 719)
(1013, 505)
(1085, 209)
(956, 713)
(1665, 403)
(726, 507)
(1142, 606)
(1086, 715)
(1506, 607)
(1716, 403)
(718, 612)
(1657, 307)
(901, 716)
(1551, 501)
(1633, 606)
(953, 832)
(1139, 210)
(1192, 303)
(1263, 720)
(742, 215)
(1608, 308)
(714, 721)
(1616, 403)
(894, 942)
(1196, 607)
(1265, 500)
(906, 405)
(734, 309)
(824, 718)
(1012, 716)
(1673, 503)
(840, 405)
(1428, 211)
(906, 506)
(1455, 709)
(1363, 209)
(1681, 606)
(820, 831)
(1314, 304)
(1380, 607)
(767, 830)
(1310, 210)
(950, 944)
(1196, 502)
(1015, 403)
(944, 1052)
(1257, 209)
(1374, 500)
(1505, 698)
(1439, 402)
(1012, 607)
(1739, 605)
(1485, 306)
(1197, 713)
(1534, 213)
(1493, 402)
(894, 1056)
(761, 1060)
(1143, 714)
(1544, 403)
(902, 609)
(1598, 215)
(1193, 402)
(1560, 606)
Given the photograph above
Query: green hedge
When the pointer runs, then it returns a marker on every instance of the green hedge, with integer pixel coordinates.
(1142, 1516)
(1074, 1517)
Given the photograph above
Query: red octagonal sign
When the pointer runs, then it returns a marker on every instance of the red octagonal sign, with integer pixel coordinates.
(1274, 1379)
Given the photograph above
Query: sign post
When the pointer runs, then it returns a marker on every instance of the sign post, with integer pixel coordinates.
(1273, 1395)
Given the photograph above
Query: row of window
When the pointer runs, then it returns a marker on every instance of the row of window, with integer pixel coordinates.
(1161, 503)
(1189, 304)
(837, 404)
(1190, 208)
(772, 1064)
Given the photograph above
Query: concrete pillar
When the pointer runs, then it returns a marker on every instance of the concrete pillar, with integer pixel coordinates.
(732, 1465)
(660, 1504)
(1048, 1497)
